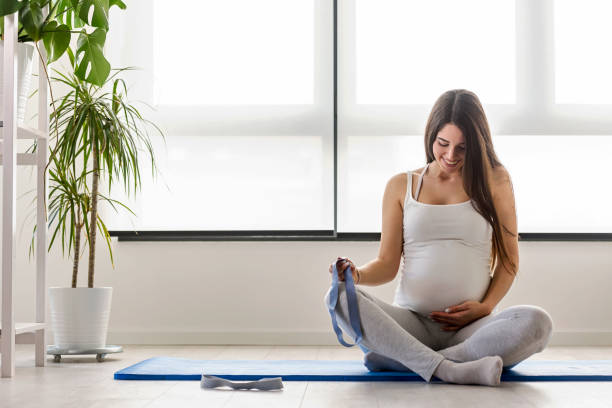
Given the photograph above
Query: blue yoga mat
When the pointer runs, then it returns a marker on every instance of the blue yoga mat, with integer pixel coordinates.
(169, 368)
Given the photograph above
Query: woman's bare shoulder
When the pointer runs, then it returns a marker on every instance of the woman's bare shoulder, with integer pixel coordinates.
(402, 177)
(398, 185)
(399, 180)
(500, 173)
(501, 178)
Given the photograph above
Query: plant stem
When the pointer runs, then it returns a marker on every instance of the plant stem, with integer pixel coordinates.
(77, 246)
(94, 208)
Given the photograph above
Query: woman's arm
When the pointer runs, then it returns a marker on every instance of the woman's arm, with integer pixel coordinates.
(503, 199)
(384, 268)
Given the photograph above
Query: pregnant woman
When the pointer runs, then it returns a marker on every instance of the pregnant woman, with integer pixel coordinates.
(453, 224)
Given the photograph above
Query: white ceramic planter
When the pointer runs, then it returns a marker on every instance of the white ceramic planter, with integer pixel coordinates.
(79, 316)
(25, 51)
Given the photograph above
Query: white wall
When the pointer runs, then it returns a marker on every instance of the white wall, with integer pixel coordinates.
(272, 292)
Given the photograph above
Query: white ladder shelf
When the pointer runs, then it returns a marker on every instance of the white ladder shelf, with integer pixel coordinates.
(12, 332)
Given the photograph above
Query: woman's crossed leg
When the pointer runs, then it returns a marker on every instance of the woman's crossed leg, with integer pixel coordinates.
(390, 331)
(401, 340)
(514, 334)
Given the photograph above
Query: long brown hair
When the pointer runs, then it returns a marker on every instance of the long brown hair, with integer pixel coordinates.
(463, 109)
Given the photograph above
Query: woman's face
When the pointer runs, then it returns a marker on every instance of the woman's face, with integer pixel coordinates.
(449, 149)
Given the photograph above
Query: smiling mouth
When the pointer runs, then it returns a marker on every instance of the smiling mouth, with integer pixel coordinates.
(449, 163)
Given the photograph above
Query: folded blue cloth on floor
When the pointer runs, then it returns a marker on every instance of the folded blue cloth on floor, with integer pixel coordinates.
(170, 368)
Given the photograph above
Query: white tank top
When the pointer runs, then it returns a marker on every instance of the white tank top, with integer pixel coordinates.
(447, 254)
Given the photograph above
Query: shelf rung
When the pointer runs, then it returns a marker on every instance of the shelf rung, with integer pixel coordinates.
(27, 327)
(26, 132)
(24, 159)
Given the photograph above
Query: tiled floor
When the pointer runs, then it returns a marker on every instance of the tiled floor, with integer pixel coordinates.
(82, 382)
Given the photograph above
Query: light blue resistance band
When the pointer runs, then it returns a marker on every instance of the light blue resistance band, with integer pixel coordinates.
(351, 295)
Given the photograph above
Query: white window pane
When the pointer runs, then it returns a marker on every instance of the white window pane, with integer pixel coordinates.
(410, 52)
(583, 61)
(233, 52)
(552, 192)
(236, 183)
(561, 183)
(364, 169)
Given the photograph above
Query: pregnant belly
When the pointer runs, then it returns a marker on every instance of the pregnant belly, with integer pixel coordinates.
(435, 285)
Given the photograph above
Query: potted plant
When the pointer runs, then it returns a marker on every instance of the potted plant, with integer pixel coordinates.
(100, 137)
(56, 30)
(79, 317)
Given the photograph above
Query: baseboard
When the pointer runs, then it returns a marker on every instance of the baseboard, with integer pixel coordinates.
(281, 338)
(581, 338)
(224, 338)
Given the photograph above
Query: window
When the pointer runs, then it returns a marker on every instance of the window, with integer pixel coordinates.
(582, 63)
(397, 57)
(409, 52)
(237, 52)
(245, 93)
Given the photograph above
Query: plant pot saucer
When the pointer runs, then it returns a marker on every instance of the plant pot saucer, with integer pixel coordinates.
(100, 352)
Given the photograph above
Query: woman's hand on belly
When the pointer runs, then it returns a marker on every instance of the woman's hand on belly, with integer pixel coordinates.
(455, 317)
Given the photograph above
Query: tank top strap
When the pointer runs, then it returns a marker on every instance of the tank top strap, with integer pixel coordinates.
(418, 190)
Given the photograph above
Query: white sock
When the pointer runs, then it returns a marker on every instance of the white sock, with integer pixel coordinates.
(486, 371)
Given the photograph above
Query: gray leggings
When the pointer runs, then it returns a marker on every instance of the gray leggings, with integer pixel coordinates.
(420, 344)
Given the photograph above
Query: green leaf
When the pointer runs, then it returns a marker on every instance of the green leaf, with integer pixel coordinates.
(65, 13)
(10, 6)
(90, 55)
(71, 57)
(56, 39)
(107, 238)
(117, 3)
(31, 17)
(99, 17)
